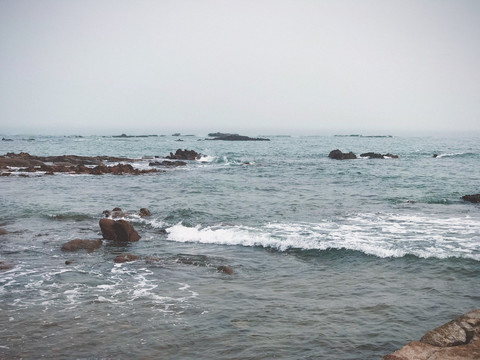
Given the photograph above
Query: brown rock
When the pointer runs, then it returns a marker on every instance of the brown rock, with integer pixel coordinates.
(457, 340)
(79, 244)
(3, 231)
(108, 232)
(225, 269)
(68, 262)
(125, 258)
(5, 265)
(144, 212)
(125, 231)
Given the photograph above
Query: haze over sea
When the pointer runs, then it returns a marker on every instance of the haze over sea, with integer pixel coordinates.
(331, 259)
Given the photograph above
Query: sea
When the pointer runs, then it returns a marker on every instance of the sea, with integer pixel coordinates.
(330, 259)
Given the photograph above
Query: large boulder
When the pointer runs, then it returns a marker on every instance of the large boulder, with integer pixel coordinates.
(339, 155)
(457, 340)
(79, 244)
(125, 231)
(119, 230)
(472, 198)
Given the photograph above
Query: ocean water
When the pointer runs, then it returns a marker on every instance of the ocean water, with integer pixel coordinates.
(331, 259)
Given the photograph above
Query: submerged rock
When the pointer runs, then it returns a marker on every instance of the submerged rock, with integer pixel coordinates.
(472, 198)
(125, 258)
(5, 265)
(3, 231)
(79, 244)
(372, 155)
(339, 155)
(457, 340)
(225, 269)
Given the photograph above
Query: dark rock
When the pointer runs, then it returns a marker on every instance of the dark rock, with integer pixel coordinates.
(124, 231)
(125, 258)
(184, 155)
(5, 265)
(472, 198)
(225, 269)
(108, 231)
(338, 155)
(144, 212)
(457, 340)
(372, 155)
(79, 244)
(119, 230)
(236, 137)
(435, 155)
(3, 231)
(68, 262)
(168, 163)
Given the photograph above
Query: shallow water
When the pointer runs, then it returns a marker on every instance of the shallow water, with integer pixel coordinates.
(331, 259)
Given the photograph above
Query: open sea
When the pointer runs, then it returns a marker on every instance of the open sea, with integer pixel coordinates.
(331, 259)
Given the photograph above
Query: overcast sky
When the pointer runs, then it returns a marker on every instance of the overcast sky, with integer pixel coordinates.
(274, 67)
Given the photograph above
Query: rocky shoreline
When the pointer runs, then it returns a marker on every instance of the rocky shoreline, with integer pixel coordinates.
(458, 339)
(94, 165)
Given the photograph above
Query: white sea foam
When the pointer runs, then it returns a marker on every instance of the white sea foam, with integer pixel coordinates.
(385, 235)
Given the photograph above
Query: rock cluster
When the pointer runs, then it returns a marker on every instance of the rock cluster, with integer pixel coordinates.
(68, 164)
(339, 155)
(457, 340)
(184, 155)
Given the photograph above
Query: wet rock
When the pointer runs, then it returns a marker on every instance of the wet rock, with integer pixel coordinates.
(117, 213)
(168, 163)
(68, 262)
(472, 198)
(3, 231)
(457, 340)
(108, 231)
(225, 269)
(184, 155)
(79, 244)
(125, 258)
(124, 231)
(5, 265)
(372, 155)
(144, 212)
(118, 230)
(339, 155)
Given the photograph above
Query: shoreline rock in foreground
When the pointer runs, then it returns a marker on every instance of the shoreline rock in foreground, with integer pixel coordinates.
(458, 339)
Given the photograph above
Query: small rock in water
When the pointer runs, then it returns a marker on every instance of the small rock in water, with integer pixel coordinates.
(144, 212)
(5, 265)
(225, 269)
(125, 258)
(472, 198)
(79, 244)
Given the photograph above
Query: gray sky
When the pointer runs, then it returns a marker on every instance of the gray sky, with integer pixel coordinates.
(275, 67)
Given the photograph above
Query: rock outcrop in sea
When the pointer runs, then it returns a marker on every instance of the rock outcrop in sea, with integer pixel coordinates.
(74, 164)
(372, 155)
(457, 340)
(184, 155)
(339, 155)
(235, 137)
(472, 198)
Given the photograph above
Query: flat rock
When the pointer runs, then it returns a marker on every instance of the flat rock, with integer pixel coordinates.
(79, 244)
(125, 258)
